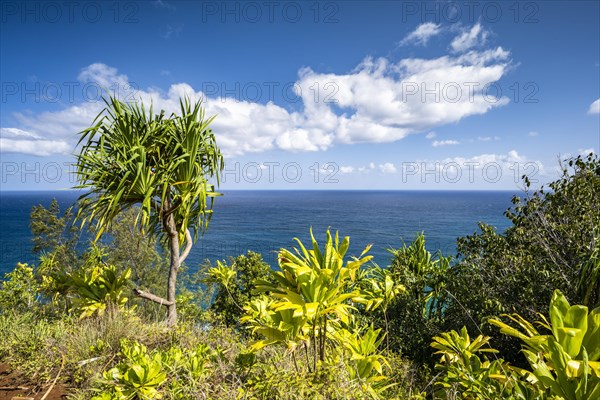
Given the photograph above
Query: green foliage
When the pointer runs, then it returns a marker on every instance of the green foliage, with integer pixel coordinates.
(467, 373)
(565, 362)
(131, 247)
(20, 290)
(235, 285)
(366, 361)
(97, 288)
(552, 244)
(417, 311)
(93, 288)
(138, 376)
(54, 233)
(309, 307)
(378, 289)
(131, 157)
(310, 291)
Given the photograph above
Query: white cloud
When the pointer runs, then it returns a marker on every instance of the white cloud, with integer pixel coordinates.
(430, 135)
(16, 133)
(104, 76)
(476, 36)
(34, 147)
(594, 107)
(438, 143)
(533, 133)
(480, 161)
(378, 102)
(19, 141)
(585, 152)
(421, 34)
(494, 167)
(387, 168)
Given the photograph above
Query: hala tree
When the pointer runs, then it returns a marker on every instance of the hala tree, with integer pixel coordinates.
(160, 165)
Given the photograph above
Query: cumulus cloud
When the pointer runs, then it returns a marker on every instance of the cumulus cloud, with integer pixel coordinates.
(421, 34)
(387, 168)
(506, 161)
(103, 75)
(430, 135)
(13, 140)
(476, 36)
(594, 107)
(379, 101)
(482, 168)
(438, 143)
(346, 169)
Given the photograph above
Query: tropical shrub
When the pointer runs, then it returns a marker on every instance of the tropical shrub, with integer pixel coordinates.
(552, 243)
(565, 361)
(138, 376)
(468, 373)
(92, 288)
(20, 290)
(417, 312)
(234, 284)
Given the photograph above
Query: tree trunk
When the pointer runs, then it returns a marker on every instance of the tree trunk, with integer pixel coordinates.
(173, 270)
(176, 259)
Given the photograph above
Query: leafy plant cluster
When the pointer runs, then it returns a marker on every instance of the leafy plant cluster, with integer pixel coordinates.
(324, 324)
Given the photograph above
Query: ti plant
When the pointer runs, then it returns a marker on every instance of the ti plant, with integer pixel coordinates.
(98, 288)
(565, 362)
(378, 291)
(138, 376)
(367, 363)
(424, 277)
(310, 296)
(466, 370)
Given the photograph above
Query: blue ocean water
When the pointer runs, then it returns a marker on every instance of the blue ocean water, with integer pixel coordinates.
(265, 221)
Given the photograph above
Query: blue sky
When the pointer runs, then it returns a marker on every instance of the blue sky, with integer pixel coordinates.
(314, 95)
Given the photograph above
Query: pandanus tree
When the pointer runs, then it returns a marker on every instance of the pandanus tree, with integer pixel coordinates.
(161, 165)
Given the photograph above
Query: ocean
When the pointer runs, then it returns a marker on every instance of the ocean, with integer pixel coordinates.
(265, 221)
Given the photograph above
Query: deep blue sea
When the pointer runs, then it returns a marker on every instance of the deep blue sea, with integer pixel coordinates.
(265, 221)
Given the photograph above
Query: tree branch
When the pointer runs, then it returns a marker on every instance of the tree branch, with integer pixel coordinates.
(188, 246)
(152, 297)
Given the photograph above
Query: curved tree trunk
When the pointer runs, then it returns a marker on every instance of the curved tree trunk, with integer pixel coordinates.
(176, 258)
(173, 270)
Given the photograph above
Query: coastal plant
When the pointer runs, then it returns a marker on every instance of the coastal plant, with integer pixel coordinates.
(20, 290)
(378, 290)
(234, 284)
(565, 361)
(92, 288)
(366, 362)
(97, 288)
(418, 311)
(133, 157)
(138, 376)
(551, 243)
(54, 234)
(310, 293)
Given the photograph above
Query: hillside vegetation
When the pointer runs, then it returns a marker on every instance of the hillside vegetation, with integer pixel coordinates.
(513, 315)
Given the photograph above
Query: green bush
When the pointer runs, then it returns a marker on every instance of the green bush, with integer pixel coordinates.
(236, 289)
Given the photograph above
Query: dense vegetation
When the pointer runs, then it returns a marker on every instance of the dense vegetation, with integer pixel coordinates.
(494, 322)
